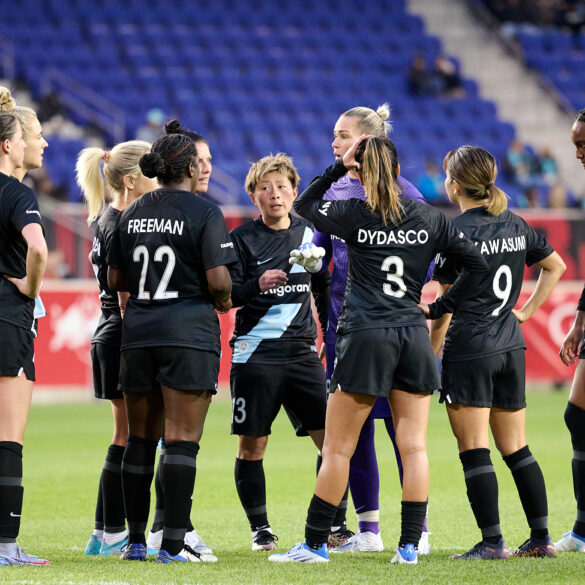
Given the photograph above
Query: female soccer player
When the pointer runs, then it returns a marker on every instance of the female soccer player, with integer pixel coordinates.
(483, 374)
(154, 539)
(124, 183)
(364, 479)
(383, 347)
(23, 258)
(275, 361)
(171, 252)
(574, 540)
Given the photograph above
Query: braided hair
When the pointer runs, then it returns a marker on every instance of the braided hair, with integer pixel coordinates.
(169, 158)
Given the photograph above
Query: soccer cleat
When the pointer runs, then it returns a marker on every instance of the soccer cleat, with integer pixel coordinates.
(134, 552)
(361, 542)
(186, 555)
(153, 542)
(19, 557)
(264, 540)
(93, 545)
(537, 547)
(302, 553)
(571, 542)
(339, 537)
(196, 543)
(485, 551)
(405, 555)
(113, 549)
(424, 546)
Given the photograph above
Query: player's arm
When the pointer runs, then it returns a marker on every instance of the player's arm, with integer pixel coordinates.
(570, 345)
(123, 301)
(321, 287)
(439, 326)
(117, 280)
(36, 261)
(219, 285)
(552, 269)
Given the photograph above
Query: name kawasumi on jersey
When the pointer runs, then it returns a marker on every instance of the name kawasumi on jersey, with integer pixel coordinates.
(501, 245)
(382, 238)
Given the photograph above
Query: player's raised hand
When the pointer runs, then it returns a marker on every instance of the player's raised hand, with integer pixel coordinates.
(348, 159)
(308, 256)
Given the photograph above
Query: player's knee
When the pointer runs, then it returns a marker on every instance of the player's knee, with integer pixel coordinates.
(575, 421)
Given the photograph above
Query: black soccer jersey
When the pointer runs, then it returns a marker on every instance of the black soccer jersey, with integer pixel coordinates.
(484, 324)
(109, 329)
(18, 208)
(387, 263)
(275, 325)
(165, 241)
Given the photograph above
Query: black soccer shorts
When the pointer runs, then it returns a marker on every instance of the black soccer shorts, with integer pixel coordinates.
(375, 361)
(259, 390)
(497, 381)
(17, 354)
(181, 368)
(105, 360)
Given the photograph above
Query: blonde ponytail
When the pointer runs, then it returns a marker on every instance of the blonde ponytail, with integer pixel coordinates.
(90, 180)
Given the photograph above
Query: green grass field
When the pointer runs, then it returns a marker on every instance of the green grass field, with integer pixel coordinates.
(66, 444)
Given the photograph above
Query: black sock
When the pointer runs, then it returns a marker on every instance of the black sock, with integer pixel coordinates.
(531, 489)
(159, 506)
(179, 479)
(137, 473)
(319, 520)
(99, 507)
(575, 421)
(413, 516)
(341, 513)
(251, 486)
(11, 490)
(111, 484)
(482, 492)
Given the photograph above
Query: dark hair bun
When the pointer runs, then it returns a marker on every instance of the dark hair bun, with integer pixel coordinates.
(173, 127)
(152, 164)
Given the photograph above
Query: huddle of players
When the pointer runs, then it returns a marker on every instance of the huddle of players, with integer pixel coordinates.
(167, 244)
(172, 253)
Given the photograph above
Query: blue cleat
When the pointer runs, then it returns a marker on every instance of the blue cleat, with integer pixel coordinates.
(134, 552)
(93, 545)
(406, 555)
(114, 549)
(302, 553)
(186, 555)
(486, 551)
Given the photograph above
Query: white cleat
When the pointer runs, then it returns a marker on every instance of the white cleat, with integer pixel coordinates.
(197, 544)
(361, 542)
(301, 553)
(571, 542)
(424, 546)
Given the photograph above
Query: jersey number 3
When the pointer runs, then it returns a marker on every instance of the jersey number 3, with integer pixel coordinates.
(161, 293)
(396, 265)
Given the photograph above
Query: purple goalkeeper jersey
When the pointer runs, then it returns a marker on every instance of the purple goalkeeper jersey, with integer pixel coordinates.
(348, 188)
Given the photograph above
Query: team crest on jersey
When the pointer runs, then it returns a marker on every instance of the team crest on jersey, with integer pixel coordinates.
(242, 345)
(325, 207)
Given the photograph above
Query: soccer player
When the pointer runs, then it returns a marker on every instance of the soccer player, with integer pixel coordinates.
(23, 258)
(124, 183)
(275, 361)
(364, 479)
(383, 346)
(170, 251)
(574, 540)
(483, 374)
(154, 539)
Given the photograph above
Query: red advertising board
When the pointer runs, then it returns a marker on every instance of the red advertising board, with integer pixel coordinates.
(62, 348)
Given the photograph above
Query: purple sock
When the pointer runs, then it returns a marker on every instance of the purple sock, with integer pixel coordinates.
(364, 481)
(369, 527)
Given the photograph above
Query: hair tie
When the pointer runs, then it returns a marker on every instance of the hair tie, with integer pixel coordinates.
(106, 156)
(178, 152)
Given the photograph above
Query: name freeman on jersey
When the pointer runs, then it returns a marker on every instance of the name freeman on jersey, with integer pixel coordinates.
(381, 238)
(152, 224)
(288, 288)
